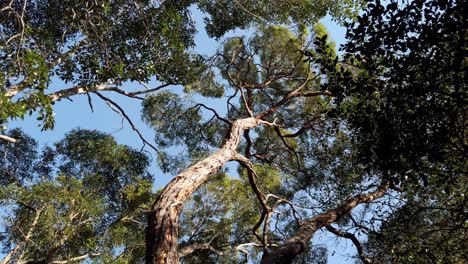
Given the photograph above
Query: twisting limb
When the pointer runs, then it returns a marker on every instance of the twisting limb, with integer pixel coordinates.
(214, 112)
(83, 90)
(285, 99)
(313, 94)
(367, 229)
(163, 221)
(228, 103)
(245, 101)
(70, 260)
(187, 250)
(298, 242)
(241, 248)
(246, 163)
(122, 112)
(157, 88)
(278, 132)
(280, 200)
(248, 12)
(353, 239)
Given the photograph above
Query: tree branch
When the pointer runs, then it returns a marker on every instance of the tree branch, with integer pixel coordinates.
(122, 112)
(27, 237)
(298, 242)
(187, 250)
(214, 112)
(74, 259)
(354, 239)
(7, 138)
(285, 99)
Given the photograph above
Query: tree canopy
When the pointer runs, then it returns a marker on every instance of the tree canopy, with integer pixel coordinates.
(82, 198)
(367, 143)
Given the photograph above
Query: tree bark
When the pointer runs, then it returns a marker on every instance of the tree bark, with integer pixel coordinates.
(162, 231)
(298, 242)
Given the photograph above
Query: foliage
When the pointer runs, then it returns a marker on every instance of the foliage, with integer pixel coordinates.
(410, 93)
(228, 15)
(88, 44)
(429, 228)
(88, 192)
(401, 87)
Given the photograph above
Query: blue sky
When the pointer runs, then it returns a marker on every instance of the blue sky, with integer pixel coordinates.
(77, 113)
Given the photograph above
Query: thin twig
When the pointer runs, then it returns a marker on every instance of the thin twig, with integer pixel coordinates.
(122, 112)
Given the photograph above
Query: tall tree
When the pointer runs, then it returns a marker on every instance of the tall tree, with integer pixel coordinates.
(84, 198)
(401, 130)
(276, 103)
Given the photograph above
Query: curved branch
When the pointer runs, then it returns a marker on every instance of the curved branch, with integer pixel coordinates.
(85, 256)
(162, 231)
(187, 250)
(298, 242)
(214, 112)
(353, 239)
(122, 112)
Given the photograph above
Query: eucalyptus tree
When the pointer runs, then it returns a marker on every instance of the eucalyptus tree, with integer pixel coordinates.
(277, 105)
(392, 106)
(82, 199)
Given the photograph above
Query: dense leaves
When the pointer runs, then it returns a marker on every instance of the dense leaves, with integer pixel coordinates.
(411, 101)
(85, 196)
(402, 88)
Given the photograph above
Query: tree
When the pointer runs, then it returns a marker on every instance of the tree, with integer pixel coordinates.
(316, 135)
(419, 52)
(84, 198)
(281, 104)
(381, 89)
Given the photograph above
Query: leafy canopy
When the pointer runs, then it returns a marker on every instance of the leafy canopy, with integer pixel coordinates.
(85, 195)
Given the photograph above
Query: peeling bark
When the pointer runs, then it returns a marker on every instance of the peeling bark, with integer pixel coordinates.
(298, 242)
(162, 232)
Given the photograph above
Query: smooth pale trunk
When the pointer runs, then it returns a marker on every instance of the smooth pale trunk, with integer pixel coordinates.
(162, 232)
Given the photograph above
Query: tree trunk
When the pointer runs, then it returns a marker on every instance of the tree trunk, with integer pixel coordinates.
(162, 232)
(298, 242)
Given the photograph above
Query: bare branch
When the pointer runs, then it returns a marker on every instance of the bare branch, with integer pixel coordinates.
(122, 112)
(298, 242)
(75, 259)
(214, 112)
(246, 163)
(354, 239)
(246, 103)
(152, 89)
(248, 12)
(278, 132)
(314, 94)
(284, 100)
(83, 90)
